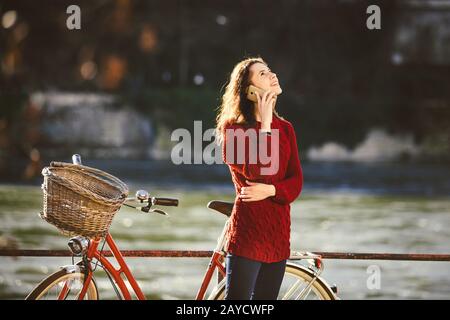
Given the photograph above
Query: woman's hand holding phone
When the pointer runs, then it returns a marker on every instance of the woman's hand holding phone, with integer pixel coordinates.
(265, 108)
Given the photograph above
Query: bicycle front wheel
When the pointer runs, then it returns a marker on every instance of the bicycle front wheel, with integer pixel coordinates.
(63, 285)
(294, 286)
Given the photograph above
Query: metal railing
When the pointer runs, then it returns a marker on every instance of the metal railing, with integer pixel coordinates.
(207, 254)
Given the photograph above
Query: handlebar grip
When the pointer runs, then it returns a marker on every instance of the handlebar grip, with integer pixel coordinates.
(166, 202)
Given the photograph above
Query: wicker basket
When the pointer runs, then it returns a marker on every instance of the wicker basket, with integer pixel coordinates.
(80, 200)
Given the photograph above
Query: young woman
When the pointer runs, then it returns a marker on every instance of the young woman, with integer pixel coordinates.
(258, 238)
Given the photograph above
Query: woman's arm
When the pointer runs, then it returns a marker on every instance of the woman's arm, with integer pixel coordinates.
(288, 189)
(246, 159)
(251, 171)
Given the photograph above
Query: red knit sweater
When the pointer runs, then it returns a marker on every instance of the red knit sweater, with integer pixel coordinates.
(260, 230)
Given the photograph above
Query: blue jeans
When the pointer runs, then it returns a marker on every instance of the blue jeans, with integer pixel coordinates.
(252, 280)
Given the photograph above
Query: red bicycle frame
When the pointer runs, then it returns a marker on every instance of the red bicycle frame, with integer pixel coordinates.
(123, 271)
(116, 274)
(215, 262)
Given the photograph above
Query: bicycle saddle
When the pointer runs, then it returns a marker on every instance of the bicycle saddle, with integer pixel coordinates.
(221, 206)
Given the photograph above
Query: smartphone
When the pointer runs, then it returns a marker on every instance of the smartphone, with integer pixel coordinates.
(251, 93)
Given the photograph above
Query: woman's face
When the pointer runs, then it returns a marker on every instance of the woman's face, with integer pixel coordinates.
(261, 76)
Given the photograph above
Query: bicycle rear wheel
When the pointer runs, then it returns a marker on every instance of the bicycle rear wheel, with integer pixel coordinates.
(293, 287)
(63, 285)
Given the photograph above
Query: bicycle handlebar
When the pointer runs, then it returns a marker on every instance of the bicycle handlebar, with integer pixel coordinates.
(168, 202)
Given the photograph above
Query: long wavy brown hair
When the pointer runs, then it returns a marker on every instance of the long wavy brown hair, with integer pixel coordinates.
(235, 107)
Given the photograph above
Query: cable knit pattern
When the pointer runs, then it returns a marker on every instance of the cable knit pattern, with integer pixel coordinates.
(260, 230)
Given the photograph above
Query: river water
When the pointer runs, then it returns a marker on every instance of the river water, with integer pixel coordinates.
(344, 207)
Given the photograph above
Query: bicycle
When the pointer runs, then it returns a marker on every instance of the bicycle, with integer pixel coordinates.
(76, 281)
